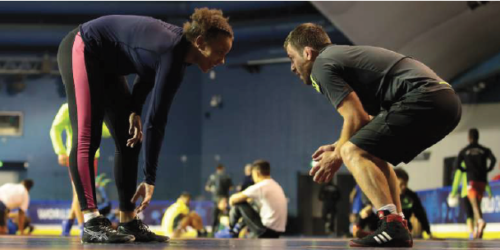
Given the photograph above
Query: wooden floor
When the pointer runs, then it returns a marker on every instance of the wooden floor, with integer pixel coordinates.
(44, 242)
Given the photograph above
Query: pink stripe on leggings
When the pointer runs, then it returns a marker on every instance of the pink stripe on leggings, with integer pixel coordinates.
(82, 95)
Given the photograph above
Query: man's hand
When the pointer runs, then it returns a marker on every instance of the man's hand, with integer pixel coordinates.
(365, 212)
(20, 221)
(63, 160)
(325, 148)
(330, 162)
(135, 130)
(145, 191)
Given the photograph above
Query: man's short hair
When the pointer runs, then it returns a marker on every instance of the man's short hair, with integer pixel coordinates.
(402, 174)
(307, 34)
(219, 167)
(185, 195)
(28, 183)
(474, 134)
(262, 166)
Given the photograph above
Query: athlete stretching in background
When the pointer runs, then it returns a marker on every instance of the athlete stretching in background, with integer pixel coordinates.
(94, 60)
(62, 124)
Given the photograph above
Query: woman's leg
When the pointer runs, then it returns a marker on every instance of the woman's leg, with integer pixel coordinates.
(118, 110)
(86, 114)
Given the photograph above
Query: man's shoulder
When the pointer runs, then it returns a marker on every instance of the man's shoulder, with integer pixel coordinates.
(331, 55)
(331, 59)
(334, 50)
(463, 150)
(261, 184)
(271, 183)
(484, 148)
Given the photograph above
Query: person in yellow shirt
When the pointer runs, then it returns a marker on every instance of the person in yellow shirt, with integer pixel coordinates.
(62, 124)
(180, 222)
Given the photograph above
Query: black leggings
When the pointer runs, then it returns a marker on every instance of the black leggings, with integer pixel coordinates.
(251, 219)
(95, 95)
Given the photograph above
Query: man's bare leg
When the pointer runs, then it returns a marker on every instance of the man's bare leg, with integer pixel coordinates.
(376, 179)
(392, 179)
(478, 216)
(369, 176)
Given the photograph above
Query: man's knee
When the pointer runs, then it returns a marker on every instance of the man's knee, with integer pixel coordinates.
(233, 209)
(240, 205)
(239, 209)
(350, 152)
(193, 215)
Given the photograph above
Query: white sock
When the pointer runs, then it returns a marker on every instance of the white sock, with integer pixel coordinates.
(402, 215)
(391, 208)
(89, 216)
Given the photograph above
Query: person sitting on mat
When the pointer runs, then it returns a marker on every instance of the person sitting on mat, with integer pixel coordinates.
(13, 224)
(180, 222)
(14, 196)
(410, 202)
(221, 216)
(270, 221)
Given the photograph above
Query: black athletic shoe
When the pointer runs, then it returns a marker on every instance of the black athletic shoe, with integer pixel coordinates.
(141, 231)
(391, 232)
(99, 230)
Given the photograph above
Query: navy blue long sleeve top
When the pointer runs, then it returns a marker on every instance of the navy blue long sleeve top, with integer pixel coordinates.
(155, 51)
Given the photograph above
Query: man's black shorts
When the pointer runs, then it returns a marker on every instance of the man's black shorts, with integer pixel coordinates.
(420, 119)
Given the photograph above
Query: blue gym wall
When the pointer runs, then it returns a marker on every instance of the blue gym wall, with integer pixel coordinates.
(40, 102)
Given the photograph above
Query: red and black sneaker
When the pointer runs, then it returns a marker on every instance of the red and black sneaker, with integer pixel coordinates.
(359, 233)
(391, 232)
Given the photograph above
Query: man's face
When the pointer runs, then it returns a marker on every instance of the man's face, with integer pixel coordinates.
(186, 200)
(300, 64)
(248, 170)
(255, 175)
(402, 185)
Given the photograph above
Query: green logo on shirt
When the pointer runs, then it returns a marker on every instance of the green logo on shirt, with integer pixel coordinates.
(314, 84)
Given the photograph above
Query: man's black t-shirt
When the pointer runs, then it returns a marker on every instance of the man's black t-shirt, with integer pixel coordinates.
(379, 76)
(475, 157)
(221, 182)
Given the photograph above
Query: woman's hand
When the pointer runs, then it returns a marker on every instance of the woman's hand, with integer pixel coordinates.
(135, 130)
